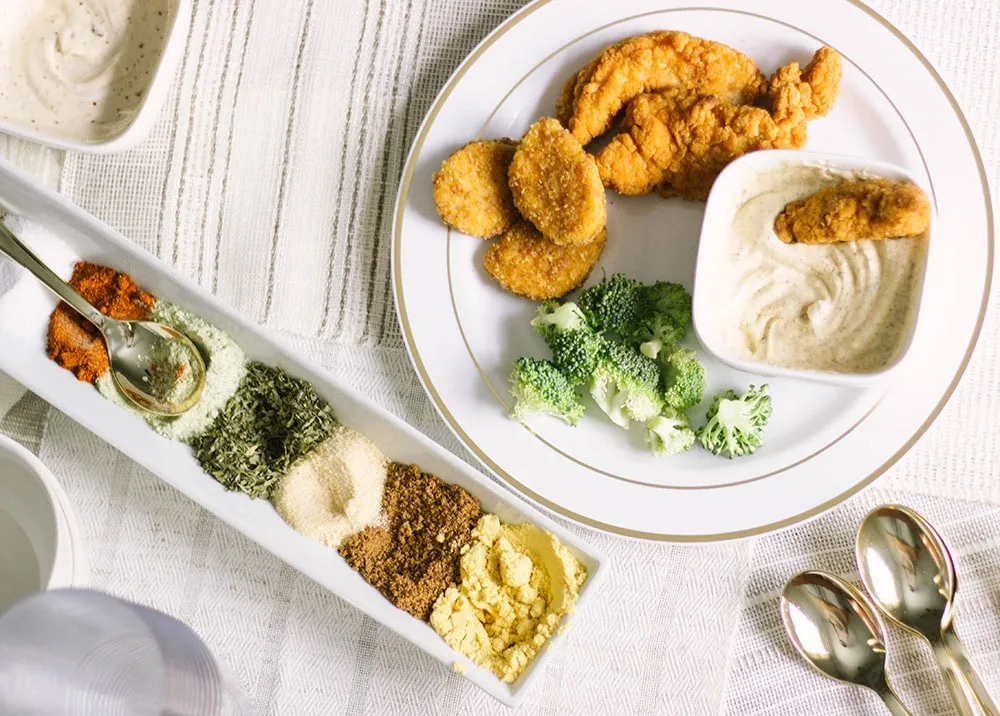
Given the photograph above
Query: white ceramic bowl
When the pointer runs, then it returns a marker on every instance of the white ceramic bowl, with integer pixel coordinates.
(719, 212)
(42, 548)
(149, 108)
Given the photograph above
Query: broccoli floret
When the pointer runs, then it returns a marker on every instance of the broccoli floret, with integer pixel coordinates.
(574, 345)
(616, 304)
(669, 433)
(735, 424)
(540, 389)
(575, 353)
(654, 315)
(683, 377)
(666, 317)
(671, 299)
(555, 316)
(658, 331)
(626, 384)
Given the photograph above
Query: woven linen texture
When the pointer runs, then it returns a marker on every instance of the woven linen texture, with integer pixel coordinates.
(270, 179)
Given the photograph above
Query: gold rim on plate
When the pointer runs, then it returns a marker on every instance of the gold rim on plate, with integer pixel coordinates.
(655, 536)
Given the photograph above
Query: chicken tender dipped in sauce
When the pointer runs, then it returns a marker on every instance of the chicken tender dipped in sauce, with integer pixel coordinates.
(853, 210)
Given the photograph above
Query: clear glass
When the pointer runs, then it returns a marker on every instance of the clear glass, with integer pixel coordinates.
(79, 652)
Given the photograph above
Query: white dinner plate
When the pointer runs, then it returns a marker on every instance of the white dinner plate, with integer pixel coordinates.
(824, 443)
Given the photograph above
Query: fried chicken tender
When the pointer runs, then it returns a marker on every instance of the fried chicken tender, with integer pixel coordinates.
(526, 263)
(797, 95)
(868, 209)
(677, 141)
(471, 193)
(646, 63)
(567, 96)
(556, 185)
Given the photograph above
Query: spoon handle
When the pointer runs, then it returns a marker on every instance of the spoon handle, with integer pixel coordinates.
(21, 254)
(960, 658)
(958, 686)
(892, 702)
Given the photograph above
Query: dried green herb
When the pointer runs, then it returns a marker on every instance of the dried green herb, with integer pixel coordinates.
(271, 422)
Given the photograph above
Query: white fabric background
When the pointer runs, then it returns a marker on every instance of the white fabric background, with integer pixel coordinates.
(270, 178)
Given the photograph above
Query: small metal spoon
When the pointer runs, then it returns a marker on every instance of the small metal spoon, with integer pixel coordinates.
(838, 631)
(908, 570)
(132, 345)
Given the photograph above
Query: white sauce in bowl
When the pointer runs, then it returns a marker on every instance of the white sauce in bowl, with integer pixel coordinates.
(845, 307)
(79, 69)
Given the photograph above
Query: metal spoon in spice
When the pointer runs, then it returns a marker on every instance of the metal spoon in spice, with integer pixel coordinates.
(155, 367)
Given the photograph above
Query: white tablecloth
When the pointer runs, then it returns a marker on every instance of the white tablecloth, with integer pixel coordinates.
(270, 178)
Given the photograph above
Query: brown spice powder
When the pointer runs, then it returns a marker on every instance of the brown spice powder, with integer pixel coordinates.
(75, 344)
(414, 555)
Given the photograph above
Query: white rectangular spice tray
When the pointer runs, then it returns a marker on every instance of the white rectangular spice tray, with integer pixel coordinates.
(22, 356)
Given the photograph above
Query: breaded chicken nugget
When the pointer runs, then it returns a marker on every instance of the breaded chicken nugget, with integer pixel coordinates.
(526, 263)
(556, 185)
(471, 192)
(648, 63)
(869, 209)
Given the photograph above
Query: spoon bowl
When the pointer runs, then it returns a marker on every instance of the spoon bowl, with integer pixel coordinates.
(139, 352)
(838, 631)
(907, 568)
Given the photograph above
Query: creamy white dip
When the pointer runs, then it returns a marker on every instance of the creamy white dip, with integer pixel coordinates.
(79, 69)
(845, 307)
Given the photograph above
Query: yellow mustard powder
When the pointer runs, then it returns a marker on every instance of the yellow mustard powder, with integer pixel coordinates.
(517, 582)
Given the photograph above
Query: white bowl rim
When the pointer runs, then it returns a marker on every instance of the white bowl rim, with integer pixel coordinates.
(73, 565)
(70, 567)
(842, 161)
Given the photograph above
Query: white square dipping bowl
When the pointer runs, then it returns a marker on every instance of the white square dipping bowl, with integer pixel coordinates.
(723, 202)
(149, 109)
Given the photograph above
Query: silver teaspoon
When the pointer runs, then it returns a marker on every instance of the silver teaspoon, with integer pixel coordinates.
(838, 631)
(139, 351)
(908, 570)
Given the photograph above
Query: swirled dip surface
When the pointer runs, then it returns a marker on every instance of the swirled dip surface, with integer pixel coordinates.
(845, 307)
(79, 69)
